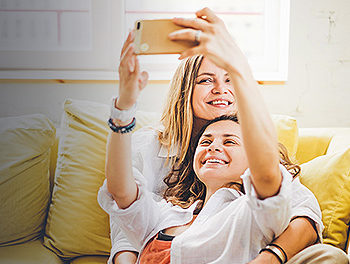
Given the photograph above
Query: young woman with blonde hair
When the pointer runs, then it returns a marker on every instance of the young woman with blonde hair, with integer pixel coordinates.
(200, 91)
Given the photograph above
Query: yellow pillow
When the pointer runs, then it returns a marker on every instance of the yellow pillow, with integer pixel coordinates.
(76, 224)
(287, 132)
(328, 177)
(312, 142)
(24, 176)
(340, 140)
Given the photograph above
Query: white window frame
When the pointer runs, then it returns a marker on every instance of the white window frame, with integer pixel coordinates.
(158, 71)
(107, 29)
(118, 33)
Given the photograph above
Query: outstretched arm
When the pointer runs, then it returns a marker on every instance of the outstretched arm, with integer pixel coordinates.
(258, 131)
(120, 181)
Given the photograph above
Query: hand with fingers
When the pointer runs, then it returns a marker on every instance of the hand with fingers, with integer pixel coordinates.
(214, 41)
(132, 81)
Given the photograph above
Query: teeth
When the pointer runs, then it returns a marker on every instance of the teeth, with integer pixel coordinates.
(215, 161)
(219, 102)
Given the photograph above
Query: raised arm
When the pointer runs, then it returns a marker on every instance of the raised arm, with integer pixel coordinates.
(120, 181)
(258, 132)
(259, 136)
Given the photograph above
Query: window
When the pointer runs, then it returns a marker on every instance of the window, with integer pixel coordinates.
(59, 39)
(260, 27)
(82, 39)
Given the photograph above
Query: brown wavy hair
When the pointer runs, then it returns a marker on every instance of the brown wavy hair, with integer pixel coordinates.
(183, 185)
(177, 117)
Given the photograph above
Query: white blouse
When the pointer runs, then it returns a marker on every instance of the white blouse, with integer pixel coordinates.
(231, 227)
(149, 163)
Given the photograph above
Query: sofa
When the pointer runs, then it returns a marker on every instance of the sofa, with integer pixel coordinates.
(49, 179)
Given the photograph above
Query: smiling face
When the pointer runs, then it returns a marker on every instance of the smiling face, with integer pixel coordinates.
(213, 92)
(220, 157)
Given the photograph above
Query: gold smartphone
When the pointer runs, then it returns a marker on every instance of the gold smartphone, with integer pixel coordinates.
(151, 37)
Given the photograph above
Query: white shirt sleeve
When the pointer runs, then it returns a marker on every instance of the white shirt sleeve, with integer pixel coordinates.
(139, 219)
(144, 145)
(119, 241)
(304, 203)
(272, 214)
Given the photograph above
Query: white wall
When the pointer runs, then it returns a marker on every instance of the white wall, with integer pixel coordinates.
(48, 98)
(317, 92)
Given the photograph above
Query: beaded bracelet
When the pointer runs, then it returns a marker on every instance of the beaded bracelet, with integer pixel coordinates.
(122, 129)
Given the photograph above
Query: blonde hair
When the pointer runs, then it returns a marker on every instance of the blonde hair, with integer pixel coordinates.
(177, 117)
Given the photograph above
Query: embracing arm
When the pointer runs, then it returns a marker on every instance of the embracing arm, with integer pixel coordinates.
(298, 235)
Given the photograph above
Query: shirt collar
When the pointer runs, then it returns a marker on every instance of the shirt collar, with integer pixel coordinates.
(163, 152)
(229, 193)
(187, 210)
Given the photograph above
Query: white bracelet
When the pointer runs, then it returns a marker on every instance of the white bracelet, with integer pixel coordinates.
(122, 115)
(276, 251)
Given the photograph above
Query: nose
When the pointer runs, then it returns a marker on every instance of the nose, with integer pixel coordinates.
(214, 147)
(220, 87)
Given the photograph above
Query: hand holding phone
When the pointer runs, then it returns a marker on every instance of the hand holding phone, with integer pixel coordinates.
(151, 37)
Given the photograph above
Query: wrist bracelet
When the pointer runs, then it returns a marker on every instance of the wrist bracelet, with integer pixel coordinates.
(274, 251)
(281, 249)
(122, 115)
(122, 129)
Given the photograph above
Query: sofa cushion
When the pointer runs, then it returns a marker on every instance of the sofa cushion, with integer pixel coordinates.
(340, 141)
(76, 224)
(32, 252)
(287, 132)
(328, 177)
(312, 143)
(24, 176)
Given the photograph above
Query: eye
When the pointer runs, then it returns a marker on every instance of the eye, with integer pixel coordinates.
(230, 142)
(205, 80)
(205, 142)
(228, 80)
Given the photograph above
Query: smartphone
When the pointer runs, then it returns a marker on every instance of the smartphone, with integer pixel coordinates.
(151, 37)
